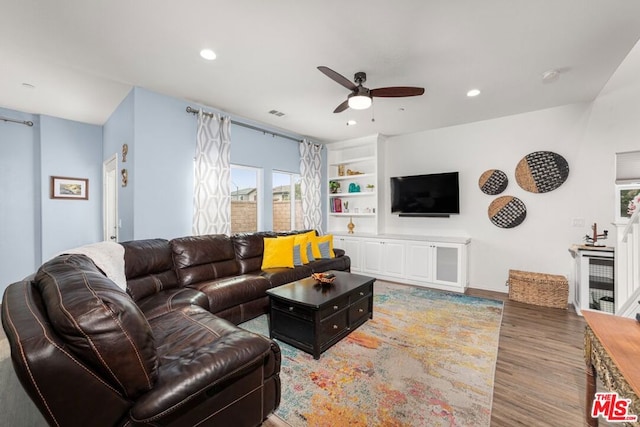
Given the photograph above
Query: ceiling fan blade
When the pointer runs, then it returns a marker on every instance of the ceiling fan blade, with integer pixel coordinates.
(340, 108)
(397, 92)
(337, 77)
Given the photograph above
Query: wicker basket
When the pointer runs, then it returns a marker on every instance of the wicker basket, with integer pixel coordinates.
(548, 290)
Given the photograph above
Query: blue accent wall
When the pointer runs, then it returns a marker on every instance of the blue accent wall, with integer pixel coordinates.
(34, 227)
(163, 174)
(19, 197)
(119, 130)
(158, 201)
(257, 149)
(70, 149)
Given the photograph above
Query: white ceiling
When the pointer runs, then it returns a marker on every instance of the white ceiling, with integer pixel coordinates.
(83, 57)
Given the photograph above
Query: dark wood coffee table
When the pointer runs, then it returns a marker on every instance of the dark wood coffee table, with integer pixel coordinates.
(313, 317)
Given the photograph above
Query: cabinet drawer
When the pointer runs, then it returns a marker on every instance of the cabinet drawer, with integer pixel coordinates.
(333, 325)
(334, 307)
(359, 310)
(361, 292)
(292, 310)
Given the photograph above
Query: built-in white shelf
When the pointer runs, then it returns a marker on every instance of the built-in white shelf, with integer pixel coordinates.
(352, 214)
(355, 194)
(355, 160)
(352, 177)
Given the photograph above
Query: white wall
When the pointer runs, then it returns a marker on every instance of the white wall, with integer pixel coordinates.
(540, 243)
(587, 135)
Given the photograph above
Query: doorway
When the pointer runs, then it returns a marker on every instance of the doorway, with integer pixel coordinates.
(110, 202)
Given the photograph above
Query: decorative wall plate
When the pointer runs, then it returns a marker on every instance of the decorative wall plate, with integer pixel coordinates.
(542, 171)
(493, 181)
(507, 212)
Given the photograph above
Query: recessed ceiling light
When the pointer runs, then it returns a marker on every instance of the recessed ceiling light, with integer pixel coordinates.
(208, 54)
(473, 92)
(351, 123)
(550, 76)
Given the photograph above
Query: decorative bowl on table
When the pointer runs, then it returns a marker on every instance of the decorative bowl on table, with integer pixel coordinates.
(323, 278)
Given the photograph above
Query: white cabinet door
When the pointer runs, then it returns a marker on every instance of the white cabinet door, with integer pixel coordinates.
(352, 249)
(447, 264)
(418, 262)
(372, 256)
(393, 258)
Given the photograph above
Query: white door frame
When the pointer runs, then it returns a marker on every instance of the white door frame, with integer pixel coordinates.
(110, 199)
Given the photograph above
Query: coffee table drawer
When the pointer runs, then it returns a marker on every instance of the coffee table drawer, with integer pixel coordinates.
(293, 310)
(362, 292)
(335, 307)
(359, 309)
(333, 325)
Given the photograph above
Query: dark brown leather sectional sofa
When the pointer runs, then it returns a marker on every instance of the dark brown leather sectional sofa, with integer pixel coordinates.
(167, 352)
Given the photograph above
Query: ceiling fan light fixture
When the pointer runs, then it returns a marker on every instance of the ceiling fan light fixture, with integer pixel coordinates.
(359, 102)
(208, 54)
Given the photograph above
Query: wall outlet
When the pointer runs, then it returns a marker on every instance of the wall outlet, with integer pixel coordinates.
(577, 222)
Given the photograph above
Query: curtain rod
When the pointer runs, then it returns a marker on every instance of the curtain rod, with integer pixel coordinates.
(22, 122)
(194, 111)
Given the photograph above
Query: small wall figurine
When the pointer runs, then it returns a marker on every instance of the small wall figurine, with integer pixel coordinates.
(125, 177)
(125, 151)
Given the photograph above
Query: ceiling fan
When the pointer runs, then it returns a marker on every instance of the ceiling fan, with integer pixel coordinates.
(360, 97)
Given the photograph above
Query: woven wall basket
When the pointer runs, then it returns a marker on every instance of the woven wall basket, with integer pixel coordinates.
(493, 181)
(507, 212)
(542, 171)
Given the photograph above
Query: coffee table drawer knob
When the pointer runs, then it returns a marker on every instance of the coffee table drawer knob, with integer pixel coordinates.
(335, 326)
(361, 310)
(335, 307)
(290, 308)
(361, 293)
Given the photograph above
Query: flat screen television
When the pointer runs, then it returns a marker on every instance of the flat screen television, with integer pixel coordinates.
(425, 195)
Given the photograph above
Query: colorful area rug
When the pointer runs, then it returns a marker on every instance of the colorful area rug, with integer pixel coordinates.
(427, 358)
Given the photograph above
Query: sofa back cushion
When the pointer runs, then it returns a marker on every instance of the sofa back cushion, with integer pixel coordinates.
(249, 248)
(99, 322)
(202, 258)
(148, 267)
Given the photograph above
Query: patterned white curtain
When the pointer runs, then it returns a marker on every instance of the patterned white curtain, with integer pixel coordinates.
(212, 194)
(311, 173)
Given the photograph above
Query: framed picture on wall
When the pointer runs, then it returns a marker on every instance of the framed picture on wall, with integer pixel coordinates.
(627, 201)
(69, 188)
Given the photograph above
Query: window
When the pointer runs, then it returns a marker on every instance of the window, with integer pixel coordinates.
(245, 200)
(287, 201)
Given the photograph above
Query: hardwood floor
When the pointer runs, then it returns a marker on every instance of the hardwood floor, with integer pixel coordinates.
(540, 373)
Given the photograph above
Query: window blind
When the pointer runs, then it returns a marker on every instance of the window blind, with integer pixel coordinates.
(628, 167)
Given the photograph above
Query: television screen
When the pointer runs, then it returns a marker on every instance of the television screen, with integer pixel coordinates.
(425, 195)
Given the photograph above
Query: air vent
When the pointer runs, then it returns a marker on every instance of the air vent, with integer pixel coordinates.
(276, 113)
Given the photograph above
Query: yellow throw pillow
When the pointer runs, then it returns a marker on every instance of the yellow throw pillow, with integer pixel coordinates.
(302, 240)
(313, 243)
(278, 252)
(324, 245)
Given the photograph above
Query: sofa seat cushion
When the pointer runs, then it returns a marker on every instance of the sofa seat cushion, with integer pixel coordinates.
(196, 352)
(172, 299)
(280, 276)
(99, 322)
(231, 291)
